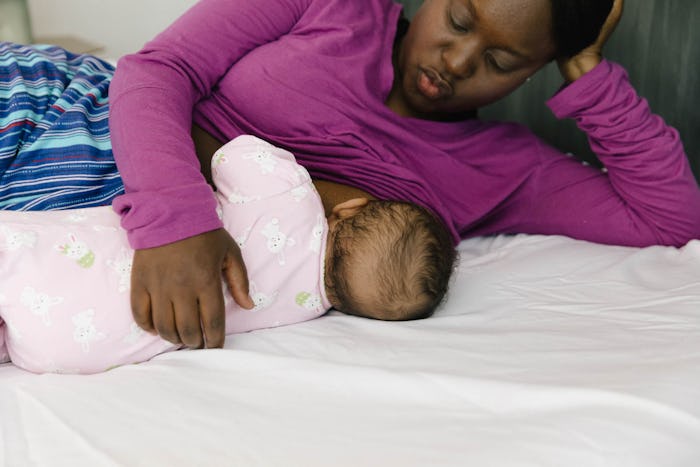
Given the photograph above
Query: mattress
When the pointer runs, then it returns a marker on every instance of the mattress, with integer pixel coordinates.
(547, 352)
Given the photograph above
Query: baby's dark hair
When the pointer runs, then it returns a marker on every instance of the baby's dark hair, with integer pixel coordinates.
(411, 254)
(576, 24)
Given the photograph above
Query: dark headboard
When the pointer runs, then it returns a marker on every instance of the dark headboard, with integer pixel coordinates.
(658, 42)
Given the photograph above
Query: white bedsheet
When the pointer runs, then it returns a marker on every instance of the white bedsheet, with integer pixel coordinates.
(549, 352)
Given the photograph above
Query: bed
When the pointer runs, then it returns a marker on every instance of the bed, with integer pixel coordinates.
(548, 352)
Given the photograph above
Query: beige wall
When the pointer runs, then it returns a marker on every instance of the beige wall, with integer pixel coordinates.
(14, 21)
(121, 26)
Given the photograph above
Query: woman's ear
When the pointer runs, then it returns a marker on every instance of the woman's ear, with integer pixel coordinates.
(349, 208)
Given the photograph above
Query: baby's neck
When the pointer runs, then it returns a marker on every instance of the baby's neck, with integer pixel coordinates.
(333, 193)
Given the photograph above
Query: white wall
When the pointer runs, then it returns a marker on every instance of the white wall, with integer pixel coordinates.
(121, 26)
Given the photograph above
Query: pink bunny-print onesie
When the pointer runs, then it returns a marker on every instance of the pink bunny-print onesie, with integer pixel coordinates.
(65, 275)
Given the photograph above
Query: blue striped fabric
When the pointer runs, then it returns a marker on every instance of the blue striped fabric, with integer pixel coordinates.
(55, 149)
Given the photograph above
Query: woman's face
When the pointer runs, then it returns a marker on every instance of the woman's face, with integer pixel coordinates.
(459, 55)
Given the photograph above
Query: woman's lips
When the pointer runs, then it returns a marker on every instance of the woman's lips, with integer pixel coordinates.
(432, 85)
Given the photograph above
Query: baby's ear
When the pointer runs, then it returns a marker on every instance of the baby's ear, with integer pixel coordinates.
(349, 208)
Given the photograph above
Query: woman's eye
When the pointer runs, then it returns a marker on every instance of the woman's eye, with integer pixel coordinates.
(456, 25)
(495, 65)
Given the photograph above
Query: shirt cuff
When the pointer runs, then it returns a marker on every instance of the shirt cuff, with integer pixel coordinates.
(585, 91)
(154, 219)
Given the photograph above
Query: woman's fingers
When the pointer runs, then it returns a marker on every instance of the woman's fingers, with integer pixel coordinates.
(236, 277)
(141, 307)
(187, 322)
(213, 317)
(164, 319)
(610, 24)
(177, 290)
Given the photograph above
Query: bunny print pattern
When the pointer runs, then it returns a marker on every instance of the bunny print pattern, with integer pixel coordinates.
(65, 275)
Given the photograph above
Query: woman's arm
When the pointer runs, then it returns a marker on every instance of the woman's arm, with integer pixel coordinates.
(168, 210)
(647, 194)
(152, 97)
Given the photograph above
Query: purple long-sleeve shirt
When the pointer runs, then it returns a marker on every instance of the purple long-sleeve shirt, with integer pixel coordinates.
(313, 75)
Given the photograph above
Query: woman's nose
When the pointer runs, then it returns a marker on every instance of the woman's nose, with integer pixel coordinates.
(461, 58)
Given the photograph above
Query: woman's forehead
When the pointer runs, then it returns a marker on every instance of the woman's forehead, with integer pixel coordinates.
(521, 25)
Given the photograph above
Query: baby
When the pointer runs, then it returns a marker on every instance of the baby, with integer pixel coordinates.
(65, 275)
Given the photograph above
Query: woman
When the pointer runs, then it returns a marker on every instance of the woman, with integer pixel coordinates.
(373, 110)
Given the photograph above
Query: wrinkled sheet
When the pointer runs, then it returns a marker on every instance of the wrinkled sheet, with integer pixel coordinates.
(548, 352)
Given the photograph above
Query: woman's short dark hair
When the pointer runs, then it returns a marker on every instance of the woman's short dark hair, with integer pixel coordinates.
(576, 24)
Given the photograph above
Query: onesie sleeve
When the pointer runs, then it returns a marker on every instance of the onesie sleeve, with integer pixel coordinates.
(249, 169)
(645, 195)
(152, 97)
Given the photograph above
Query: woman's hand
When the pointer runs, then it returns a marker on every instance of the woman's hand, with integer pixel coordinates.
(176, 289)
(574, 67)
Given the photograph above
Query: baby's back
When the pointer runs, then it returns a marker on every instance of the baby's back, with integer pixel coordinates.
(65, 276)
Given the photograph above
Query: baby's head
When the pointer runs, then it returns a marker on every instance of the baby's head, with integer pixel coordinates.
(386, 260)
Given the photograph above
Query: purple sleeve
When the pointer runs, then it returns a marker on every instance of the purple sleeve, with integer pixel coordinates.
(152, 97)
(646, 194)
